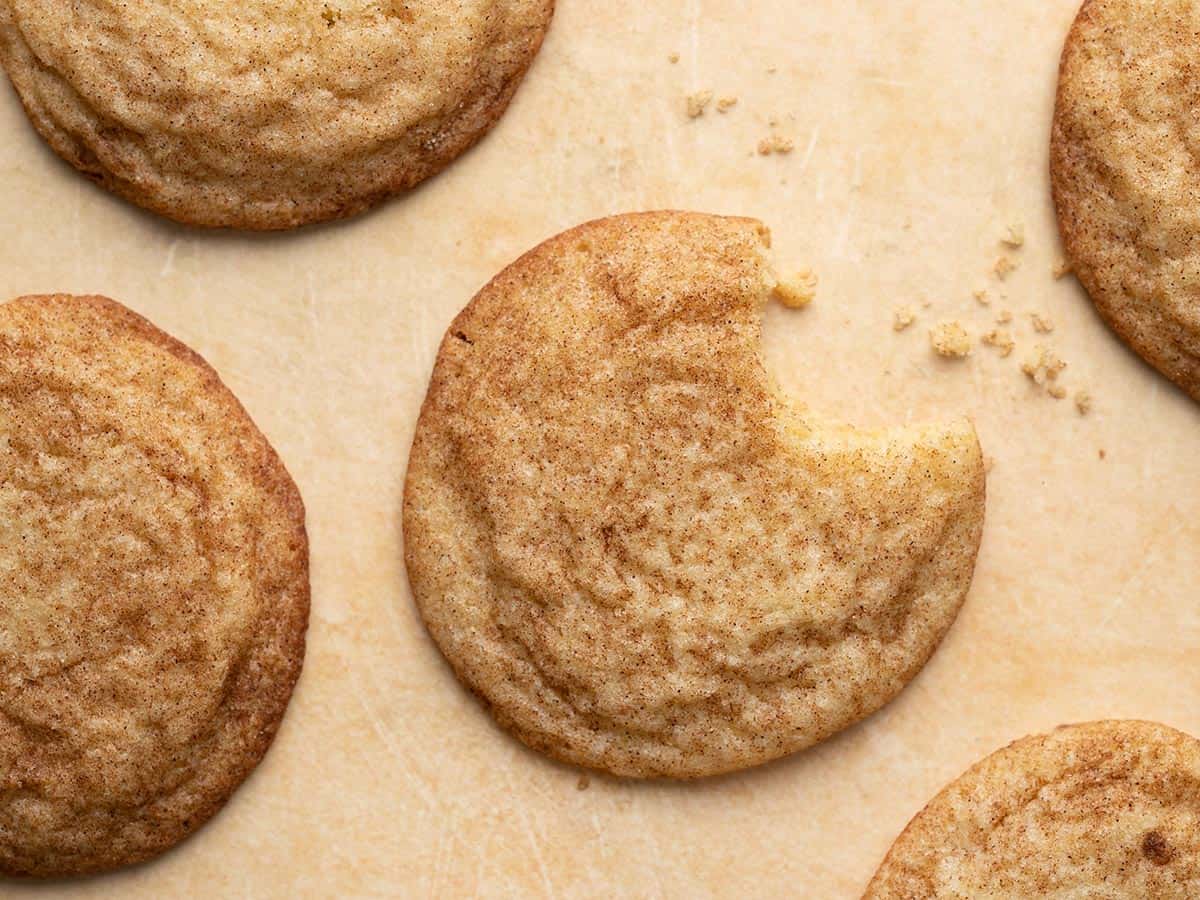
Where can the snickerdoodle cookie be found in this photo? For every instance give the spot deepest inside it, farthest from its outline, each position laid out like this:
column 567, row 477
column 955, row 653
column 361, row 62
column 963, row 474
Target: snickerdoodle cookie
column 1105, row 810
column 1126, row 179
column 628, row 544
column 266, row 113
column 153, row 588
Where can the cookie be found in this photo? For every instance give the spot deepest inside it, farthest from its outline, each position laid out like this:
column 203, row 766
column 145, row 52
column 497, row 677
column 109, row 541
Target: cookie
column 153, row 588
column 264, row 114
column 633, row 549
column 1125, row 177
column 1104, row 810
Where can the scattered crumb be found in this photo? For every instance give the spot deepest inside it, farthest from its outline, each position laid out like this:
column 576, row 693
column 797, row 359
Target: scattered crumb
column 1003, row 266
column 1053, row 363
column 583, row 783
column 950, row 339
column 1004, row 317
column 1014, row 237
column 904, row 317
column 981, row 297
column 330, row 16
column 925, row 304
column 1061, row 269
column 771, row 70
column 775, row 144
column 673, row 58
column 798, row 291
column 1041, row 324
column 1057, row 391
column 1001, row 340
column 697, row 103
column 1103, row 454
column 1043, row 366
column 725, row 104
column 1083, row 403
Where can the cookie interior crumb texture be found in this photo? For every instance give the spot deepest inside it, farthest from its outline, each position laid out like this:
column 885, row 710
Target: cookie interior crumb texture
column 263, row 114
column 153, row 588
column 1106, row 809
column 634, row 549
column 950, row 339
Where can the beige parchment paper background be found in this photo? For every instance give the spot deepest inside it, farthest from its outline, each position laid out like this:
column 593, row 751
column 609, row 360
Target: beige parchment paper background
column 921, row 129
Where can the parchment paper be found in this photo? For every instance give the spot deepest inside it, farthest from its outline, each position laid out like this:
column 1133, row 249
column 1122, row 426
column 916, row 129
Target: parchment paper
column 921, row 129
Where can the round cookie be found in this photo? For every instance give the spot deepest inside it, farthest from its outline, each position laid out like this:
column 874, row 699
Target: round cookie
column 1123, row 163
column 631, row 548
column 266, row 114
column 153, row 588
column 1104, row 810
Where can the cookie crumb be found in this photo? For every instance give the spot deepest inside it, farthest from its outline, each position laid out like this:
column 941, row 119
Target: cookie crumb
column 697, row 103
column 1057, row 391
column 1004, row 317
column 672, row 58
column 1043, row 365
column 1103, row 454
column 1061, row 269
column 1041, row 324
column 1083, row 402
column 725, row 104
column 1001, row 339
column 950, row 340
column 798, row 291
column 776, row 143
column 583, row 783
column 1003, row 266
column 903, row 318
column 981, row 297
column 1014, row 237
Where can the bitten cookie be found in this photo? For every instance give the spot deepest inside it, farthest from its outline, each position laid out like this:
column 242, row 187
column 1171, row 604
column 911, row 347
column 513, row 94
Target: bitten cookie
column 153, row 588
column 1105, row 810
column 265, row 114
column 1123, row 163
column 626, row 542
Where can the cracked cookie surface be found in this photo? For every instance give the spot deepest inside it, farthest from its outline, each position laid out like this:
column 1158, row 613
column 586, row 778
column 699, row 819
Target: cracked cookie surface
column 629, row 545
column 265, row 114
column 153, row 588
column 1125, row 168
column 1103, row 810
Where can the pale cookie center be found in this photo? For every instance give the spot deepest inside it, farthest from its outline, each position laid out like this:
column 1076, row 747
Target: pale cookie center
column 112, row 649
